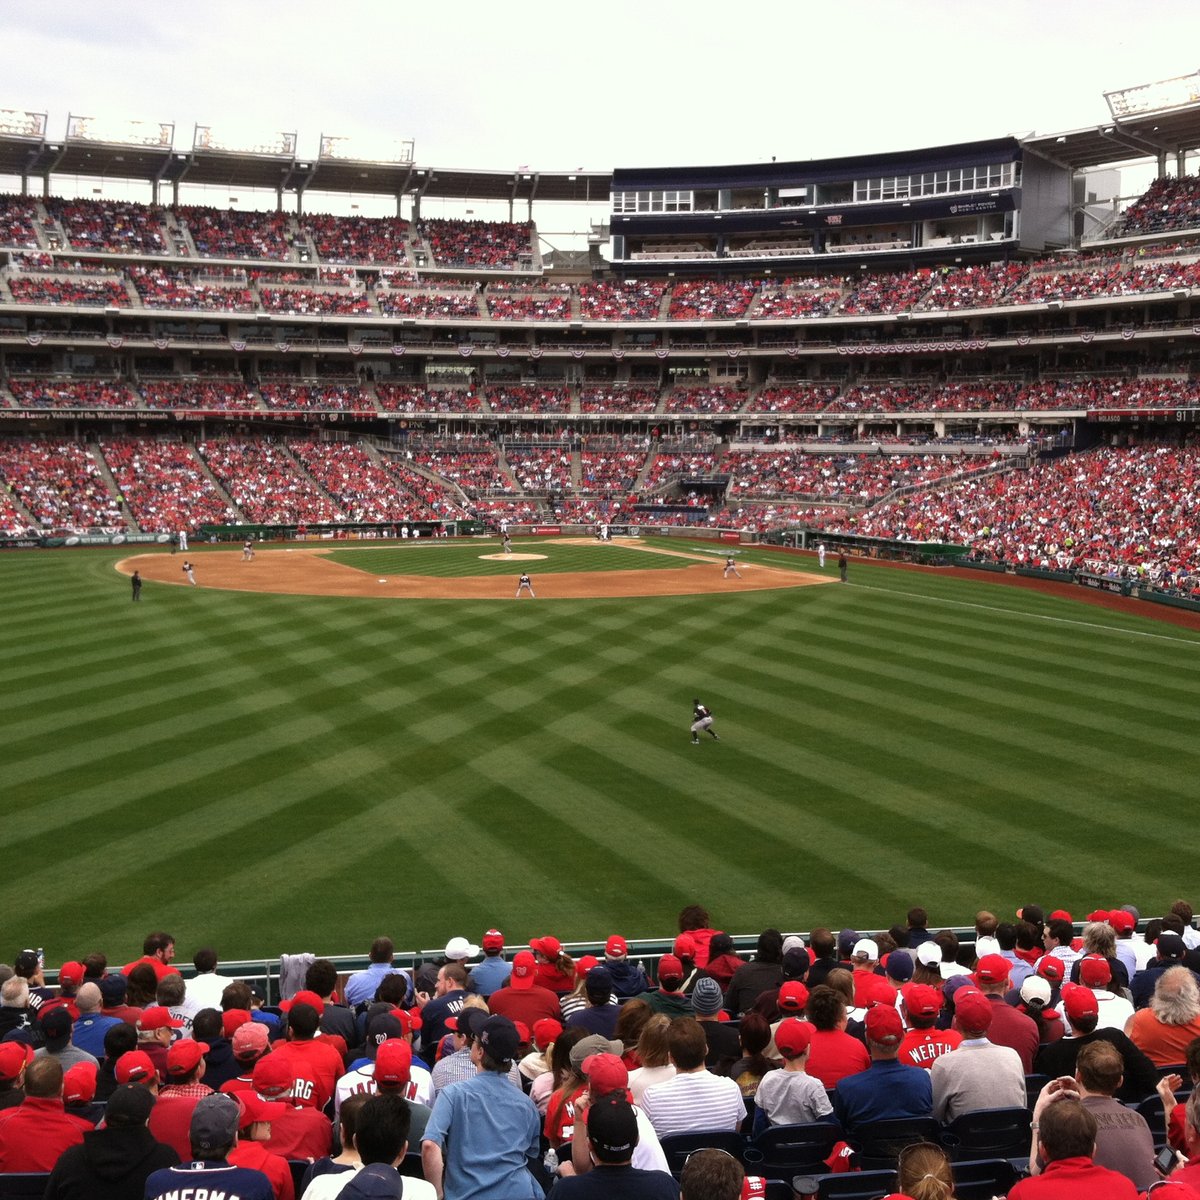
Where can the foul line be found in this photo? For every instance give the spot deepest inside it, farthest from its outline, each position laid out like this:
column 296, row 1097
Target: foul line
column 1010, row 612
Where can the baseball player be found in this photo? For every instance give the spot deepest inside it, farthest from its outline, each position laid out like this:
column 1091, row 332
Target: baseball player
column 187, row 570
column 183, row 540
column 506, row 542
column 821, row 555
column 504, row 527
column 137, row 585
column 248, row 550
column 525, row 584
column 731, row 565
column 702, row 723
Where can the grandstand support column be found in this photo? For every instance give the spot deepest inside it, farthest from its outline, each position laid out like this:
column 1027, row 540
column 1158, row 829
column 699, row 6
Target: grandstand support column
column 279, row 198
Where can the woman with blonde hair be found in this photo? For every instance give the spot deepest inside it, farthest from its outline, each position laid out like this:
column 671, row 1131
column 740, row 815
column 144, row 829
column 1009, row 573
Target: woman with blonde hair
column 655, row 1057
column 923, row 1173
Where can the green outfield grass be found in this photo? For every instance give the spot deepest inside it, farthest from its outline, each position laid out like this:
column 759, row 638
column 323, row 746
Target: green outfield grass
column 280, row 773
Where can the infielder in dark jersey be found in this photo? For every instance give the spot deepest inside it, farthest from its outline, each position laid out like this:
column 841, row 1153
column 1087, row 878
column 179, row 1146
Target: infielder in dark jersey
column 702, row 723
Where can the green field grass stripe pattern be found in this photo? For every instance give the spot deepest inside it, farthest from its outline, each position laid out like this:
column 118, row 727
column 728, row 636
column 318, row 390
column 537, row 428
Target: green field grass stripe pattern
column 449, row 560
column 274, row 774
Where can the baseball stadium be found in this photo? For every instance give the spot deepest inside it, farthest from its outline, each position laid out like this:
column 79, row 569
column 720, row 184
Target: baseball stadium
column 887, row 463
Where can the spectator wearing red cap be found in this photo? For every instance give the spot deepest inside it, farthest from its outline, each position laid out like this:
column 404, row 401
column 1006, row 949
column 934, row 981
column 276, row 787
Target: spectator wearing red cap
column 629, row 978
column 668, row 998
column 693, row 1098
column 394, row 1077
column 298, row 1131
column 763, row 972
column 977, row 1074
column 495, row 969
column 1080, row 1008
column 254, row 1131
column 114, row 1162
column 924, row 1043
column 1124, row 927
column 834, row 1053
column 555, row 968
column 1060, row 1161
column 249, row 1041
column 315, row 1064
column 158, row 953
column 1095, row 972
column 70, row 977
column 171, row 1120
column 1009, row 1027
column 694, row 920
column 888, row 1090
column 38, row 1130
column 156, row 1029
column 381, row 1028
column 1164, row 1030
column 14, row 1058
column 524, row 998
column 792, row 1096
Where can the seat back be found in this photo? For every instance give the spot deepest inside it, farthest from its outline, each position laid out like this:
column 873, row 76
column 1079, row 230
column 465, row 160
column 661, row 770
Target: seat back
column 878, row 1145
column 988, row 1133
column 983, row 1178
column 786, row 1150
column 849, row 1185
column 677, row 1146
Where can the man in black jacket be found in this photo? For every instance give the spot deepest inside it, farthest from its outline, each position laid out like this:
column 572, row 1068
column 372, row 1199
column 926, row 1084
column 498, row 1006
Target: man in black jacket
column 113, row 1163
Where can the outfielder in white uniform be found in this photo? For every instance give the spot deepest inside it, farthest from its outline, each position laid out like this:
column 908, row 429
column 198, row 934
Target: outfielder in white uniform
column 702, row 723
column 183, row 540
column 526, row 584
column 821, row 555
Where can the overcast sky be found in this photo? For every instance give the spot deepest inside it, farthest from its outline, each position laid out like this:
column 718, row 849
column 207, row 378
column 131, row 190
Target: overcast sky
column 561, row 85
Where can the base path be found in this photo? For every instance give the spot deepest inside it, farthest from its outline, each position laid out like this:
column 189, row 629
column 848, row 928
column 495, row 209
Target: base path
column 309, row 571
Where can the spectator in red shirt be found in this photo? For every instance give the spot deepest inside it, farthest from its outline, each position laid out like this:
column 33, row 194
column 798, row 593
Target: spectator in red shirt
column 834, row 1054
column 315, row 1065
column 158, row 951
column 254, row 1131
column 171, row 1120
column 1009, row 1027
column 923, row 1042
column 38, row 1130
column 298, row 1131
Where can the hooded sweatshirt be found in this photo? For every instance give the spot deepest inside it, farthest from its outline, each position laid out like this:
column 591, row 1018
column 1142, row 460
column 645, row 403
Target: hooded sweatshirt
column 112, row 1164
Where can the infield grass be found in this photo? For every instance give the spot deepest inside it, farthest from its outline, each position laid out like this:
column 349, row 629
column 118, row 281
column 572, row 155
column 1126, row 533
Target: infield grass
column 274, row 774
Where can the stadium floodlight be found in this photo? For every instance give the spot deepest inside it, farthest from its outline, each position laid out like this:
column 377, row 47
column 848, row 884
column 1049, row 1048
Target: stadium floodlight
column 158, row 135
column 280, row 145
column 1154, row 97
column 347, row 149
column 15, row 123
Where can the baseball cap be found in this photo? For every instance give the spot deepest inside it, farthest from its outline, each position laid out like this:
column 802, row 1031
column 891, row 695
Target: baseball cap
column 215, row 1121
column 135, row 1066
column 255, row 1108
column 1170, row 945
column 70, row 974
column 14, row 1057
column 616, row 946
column 584, row 964
column 1061, row 914
column 846, row 940
column 250, row 1040
column 500, row 1040
column 1050, row 968
column 79, row 1083
column 112, row 988
column 493, row 940
column 612, row 1127
column 599, row 979
column 794, row 941
column 524, row 971
column 185, row 1055
column 992, row 968
column 929, row 954
column 605, row 1073
column 393, row 1063
column 923, row 1000
column 158, row 1017
column 1094, row 971
column 986, row 944
column 707, row 1000
column 546, row 1031
column 594, row 1043
column 1099, row 914
column 793, row 996
column 793, row 1037
column 1079, row 1002
column 272, row 1076
column 234, row 1019
column 685, row 946
column 458, row 948
column 382, row 1027
column 883, row 1025
column 549, row 946
column 129, row 1105
column 26, row 963
column 669, row 967
column 304, row 997
column 1035, row 990
column 973, row 1010
column 899, row 966
column 1122, row 921
column 468, row 1022
column 56, row 1024
column 796, row 963
column 866, row 948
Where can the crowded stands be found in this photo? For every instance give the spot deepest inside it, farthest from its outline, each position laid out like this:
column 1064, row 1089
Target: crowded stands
column 61, row 484
column 102, row 292
column 230, row 233
column 479, row 245
column 360, row 240
column 114, row 226
column 266, row 484
column 72, row 393
column 164, row 486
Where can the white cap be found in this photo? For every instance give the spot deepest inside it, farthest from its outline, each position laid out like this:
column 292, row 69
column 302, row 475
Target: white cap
column 929, row 954
column 1035, row 988
column 793, row 941
column 458, row 948
column 986, row 945
column 867, row 947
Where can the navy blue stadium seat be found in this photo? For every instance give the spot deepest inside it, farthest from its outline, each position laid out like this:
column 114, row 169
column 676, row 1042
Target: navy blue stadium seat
column 23, row 1184
column 878, row 1145
column 787, row 1150
column 988, row 1133
column 677, row 1146
column 983, row 1178
column 849, row 1185
column 1033, row 1087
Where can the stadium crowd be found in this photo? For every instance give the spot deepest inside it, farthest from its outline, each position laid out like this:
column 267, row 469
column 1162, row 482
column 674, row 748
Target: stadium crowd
column 1059, row 1056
